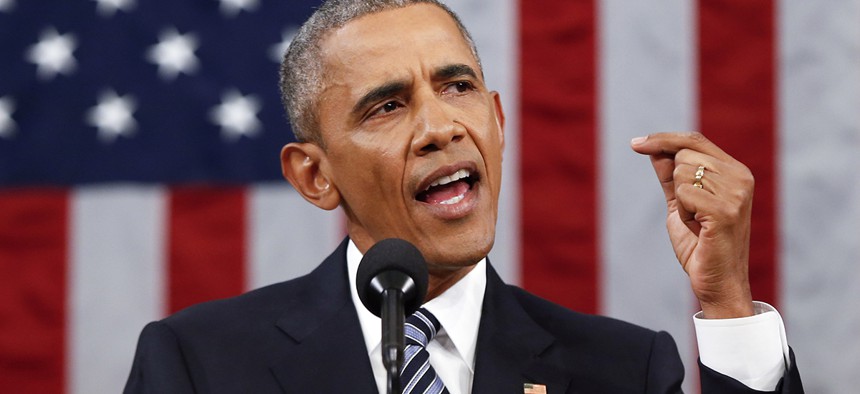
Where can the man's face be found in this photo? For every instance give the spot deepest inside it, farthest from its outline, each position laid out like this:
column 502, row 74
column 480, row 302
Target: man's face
column 413, row 138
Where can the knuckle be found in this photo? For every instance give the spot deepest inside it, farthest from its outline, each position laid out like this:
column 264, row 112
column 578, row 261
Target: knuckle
column 697, row 136
column 733, row 212
column 744, row 195
column 748, row 179
column 676, row 173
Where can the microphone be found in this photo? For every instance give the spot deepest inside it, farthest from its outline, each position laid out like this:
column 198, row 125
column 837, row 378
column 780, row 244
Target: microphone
column 392, row 282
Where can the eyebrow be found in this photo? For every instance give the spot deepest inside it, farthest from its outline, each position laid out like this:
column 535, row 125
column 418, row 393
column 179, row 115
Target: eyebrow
column 379, row 93
column 453, row 71
column 391, row 88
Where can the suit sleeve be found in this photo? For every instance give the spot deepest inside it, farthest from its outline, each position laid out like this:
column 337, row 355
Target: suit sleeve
column 159, row 365
column 666, row 373
column 714, row 382
column 665, row 369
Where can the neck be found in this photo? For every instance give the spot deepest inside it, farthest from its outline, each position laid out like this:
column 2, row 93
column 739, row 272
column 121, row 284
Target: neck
column 441, row 280
column 440, row 277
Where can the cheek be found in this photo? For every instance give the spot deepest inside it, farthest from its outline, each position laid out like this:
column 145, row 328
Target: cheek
column 370, row 174
column 380, row 154
column 388, row 139
column 485, row 131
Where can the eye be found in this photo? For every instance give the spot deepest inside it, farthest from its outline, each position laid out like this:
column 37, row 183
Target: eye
column 388, row 107
column 459, row 87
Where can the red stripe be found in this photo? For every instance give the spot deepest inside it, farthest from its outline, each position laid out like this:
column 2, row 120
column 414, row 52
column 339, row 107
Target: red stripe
column 737, row 97
column 206, row 244
column 33, row 235
column 559, row 151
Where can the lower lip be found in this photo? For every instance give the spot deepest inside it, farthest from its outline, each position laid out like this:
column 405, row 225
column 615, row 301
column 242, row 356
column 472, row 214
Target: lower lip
column 456, row 210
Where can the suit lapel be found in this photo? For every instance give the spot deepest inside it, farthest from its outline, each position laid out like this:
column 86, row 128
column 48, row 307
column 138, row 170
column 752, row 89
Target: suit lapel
column 325, row 346
column 325, row 351
column 510, row 344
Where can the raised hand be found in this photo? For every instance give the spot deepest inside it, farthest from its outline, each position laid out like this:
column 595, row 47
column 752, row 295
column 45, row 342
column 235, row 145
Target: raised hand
column 709, row 222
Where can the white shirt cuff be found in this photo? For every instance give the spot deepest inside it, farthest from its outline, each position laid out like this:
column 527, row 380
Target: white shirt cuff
column 752, row 350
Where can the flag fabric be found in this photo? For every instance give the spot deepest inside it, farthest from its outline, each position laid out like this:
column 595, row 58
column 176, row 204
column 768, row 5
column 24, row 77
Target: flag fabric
column 139, row 167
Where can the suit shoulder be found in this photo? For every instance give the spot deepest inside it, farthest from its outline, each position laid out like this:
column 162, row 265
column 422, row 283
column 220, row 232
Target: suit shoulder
column 265, row 303
column 582, row 328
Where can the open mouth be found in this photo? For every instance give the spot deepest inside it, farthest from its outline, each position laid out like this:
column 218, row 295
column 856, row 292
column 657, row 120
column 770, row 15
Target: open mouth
column 449, row 189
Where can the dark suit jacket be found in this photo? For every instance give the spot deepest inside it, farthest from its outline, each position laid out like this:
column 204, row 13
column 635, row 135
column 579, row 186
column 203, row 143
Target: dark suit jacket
column 303, row 336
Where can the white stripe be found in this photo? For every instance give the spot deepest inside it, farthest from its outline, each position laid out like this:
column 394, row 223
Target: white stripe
column 116, row 279
column 646, row 85
column 493, row 25
column 409, row 353
column 819, row 118
column 417, row 377
column 427, row 323
column 288, row 236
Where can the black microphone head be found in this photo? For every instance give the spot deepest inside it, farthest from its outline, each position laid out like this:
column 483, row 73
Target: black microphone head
column 392, row 264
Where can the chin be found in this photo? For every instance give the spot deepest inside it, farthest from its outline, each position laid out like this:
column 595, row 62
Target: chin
column 460, row 253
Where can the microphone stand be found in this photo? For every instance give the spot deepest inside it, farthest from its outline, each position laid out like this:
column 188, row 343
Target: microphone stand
column 392, row 272
column 393, row 340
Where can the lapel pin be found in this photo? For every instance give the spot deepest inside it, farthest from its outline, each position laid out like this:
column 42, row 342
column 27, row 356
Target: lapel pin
column 531, row 388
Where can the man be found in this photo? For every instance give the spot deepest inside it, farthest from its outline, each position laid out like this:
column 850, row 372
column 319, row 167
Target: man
column 397, row 127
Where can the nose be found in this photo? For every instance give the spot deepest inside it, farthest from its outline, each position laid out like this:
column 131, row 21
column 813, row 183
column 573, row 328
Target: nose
column 435, row 127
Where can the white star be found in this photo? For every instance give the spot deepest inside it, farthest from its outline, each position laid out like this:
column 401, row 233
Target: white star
column 7, row 5
column 7, row 124
column 232, row 8
column 174, row 53
column 112, row 116
column 237, row 115
column 276, row 52
column 107, row 8
column 53, row 54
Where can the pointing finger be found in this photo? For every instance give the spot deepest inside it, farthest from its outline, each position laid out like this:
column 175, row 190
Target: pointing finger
column 672, row 143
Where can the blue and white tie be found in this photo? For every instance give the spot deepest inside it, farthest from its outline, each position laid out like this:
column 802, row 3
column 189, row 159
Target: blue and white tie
column 417, row 375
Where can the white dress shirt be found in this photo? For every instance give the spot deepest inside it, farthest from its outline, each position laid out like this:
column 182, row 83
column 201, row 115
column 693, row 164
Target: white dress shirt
column 452, row 351
column 752, row 350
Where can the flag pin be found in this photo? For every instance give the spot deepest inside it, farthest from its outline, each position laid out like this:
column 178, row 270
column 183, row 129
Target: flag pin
column 531, row 388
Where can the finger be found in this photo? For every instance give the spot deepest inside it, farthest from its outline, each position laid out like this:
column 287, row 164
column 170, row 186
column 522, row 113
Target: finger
column 697, row 207
column 685, row 174
column 696, row 159
column 718, row 191
column 672, row 143
column 664, row 167
column 688, row 195
column 672, row 173
column 689, row 201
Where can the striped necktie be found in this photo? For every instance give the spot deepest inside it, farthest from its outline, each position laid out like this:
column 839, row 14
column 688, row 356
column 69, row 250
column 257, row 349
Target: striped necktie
column 417, row 375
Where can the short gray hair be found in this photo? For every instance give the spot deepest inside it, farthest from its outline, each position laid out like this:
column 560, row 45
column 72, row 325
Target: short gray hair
column 301, row 69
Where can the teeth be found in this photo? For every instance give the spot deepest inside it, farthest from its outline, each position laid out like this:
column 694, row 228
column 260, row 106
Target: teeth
column 452, row 200
column 444, row 180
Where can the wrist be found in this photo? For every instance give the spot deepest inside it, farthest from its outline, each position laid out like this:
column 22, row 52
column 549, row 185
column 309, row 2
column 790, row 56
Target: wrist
column 727, row 299
column 728, row 310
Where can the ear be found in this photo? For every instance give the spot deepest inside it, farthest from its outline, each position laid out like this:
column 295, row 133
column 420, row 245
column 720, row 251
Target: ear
column 500, row 116
column 302, row 164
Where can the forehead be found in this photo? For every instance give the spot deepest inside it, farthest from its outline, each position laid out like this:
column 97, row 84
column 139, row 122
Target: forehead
column 388, row 44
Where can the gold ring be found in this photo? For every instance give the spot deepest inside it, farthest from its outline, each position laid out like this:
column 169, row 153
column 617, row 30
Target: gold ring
column 700, row 173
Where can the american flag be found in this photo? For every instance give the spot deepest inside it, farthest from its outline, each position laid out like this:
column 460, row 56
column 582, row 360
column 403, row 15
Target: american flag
column 139, row 165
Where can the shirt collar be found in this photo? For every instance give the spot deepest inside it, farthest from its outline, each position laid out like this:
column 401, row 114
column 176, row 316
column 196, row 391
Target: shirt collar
column 458, row 308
